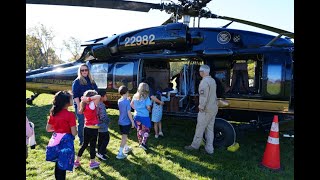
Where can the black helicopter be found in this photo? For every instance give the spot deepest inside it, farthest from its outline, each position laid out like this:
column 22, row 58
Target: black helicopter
column 132, row 57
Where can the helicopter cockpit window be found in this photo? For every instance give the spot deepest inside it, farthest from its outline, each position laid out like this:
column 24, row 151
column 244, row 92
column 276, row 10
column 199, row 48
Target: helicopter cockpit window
column 239, row 82
column 220, row 76
column 244, row 78
column 274, row 79
column 100, row 74
column 123, row 75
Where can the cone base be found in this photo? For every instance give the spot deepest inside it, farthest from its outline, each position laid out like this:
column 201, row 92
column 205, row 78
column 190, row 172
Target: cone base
column 281, row 168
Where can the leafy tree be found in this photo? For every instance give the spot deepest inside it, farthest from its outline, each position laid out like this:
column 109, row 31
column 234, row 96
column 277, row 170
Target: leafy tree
column 175, row 67
column 41, row 41
column 251, row 68
column 73, row 45
column 34, row 57
column 53, row 57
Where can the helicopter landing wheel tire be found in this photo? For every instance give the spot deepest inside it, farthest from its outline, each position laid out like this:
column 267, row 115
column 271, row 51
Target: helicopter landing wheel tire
column 224, row 133
column 29, row 101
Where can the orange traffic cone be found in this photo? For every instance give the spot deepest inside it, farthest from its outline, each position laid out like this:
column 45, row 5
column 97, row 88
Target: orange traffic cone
column 271, row 156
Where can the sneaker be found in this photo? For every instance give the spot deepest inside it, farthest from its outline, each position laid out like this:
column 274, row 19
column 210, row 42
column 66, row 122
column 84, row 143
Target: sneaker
column 121, row 156
column 127, row 150
column 76, row 164
column 94, row 165
column 156, row 136
column 209, row 152
column 206, row 152
column 144, row 146
column 190, row 148
column 101, row 156
column 161, row 134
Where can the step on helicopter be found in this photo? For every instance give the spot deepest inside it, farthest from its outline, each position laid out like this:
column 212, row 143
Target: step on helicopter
column 132, row 57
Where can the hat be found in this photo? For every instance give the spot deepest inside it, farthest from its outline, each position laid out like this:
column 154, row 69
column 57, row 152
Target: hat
column 204, row 68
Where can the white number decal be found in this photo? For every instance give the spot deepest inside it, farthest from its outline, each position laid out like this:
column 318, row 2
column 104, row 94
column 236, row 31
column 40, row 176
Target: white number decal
column 152, row 37
column 139, row 40
column 127, row 40
column 133, row 40
column 145, row 40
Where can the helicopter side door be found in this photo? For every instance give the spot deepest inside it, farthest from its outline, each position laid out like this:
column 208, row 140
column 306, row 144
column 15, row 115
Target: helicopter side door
column 275, row 77
column 158, row 70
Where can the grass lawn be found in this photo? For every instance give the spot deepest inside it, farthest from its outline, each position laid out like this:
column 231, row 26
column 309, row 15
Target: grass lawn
column 166, row 158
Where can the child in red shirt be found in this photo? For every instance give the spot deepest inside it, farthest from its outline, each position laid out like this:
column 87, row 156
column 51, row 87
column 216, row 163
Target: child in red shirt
column 63, row 124
column 88, row 106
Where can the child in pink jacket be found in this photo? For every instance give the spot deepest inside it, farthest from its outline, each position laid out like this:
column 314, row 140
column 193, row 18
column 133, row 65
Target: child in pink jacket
column 29, row 133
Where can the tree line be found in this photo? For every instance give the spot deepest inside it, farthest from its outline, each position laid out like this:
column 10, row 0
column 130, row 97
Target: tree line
column 42, row 52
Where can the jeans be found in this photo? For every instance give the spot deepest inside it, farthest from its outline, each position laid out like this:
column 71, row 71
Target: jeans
column 80, row 118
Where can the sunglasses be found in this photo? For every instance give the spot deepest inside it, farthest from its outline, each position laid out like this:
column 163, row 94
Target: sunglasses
column 83, row 70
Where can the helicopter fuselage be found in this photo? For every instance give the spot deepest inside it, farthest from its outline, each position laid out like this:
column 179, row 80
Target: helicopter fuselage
column 254, row 71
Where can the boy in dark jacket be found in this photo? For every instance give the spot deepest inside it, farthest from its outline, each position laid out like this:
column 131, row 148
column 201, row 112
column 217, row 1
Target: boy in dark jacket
column 103, row 135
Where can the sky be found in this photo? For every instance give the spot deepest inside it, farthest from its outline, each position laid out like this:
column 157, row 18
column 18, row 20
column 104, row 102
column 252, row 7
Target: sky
column 86, row 23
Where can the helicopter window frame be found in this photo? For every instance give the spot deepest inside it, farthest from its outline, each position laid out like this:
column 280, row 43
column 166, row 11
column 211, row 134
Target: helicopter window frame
column 274, row 79
column 115, row 71
column 95, row 74
column 254, row 67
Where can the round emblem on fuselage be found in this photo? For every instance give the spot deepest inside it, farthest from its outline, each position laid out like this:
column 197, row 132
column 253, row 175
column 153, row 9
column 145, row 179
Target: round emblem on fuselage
column 223, row 37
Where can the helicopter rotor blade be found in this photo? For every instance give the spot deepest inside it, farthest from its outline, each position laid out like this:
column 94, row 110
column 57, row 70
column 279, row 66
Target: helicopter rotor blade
column 111, row 4
column 194, row 6
column 258, row 25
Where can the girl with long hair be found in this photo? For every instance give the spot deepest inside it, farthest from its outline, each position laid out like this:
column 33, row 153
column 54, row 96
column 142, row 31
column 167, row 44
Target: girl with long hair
column 141, row 104
column 62, row 123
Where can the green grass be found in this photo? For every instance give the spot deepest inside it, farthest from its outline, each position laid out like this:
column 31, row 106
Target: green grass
column 166, row 158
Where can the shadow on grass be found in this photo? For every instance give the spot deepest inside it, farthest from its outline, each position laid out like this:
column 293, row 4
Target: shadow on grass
column 112, row 135
column 93, row 174
column 132, row 167
column 170, row 148
column 143, row 169
column 246, row 159
column 195, row 166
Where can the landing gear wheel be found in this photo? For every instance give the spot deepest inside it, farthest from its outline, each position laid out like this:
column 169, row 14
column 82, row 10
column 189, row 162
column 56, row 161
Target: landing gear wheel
column 29, row 101
column 224, row 133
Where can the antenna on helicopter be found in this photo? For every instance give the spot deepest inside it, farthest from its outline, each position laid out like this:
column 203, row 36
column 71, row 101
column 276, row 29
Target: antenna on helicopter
column 225, row 26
